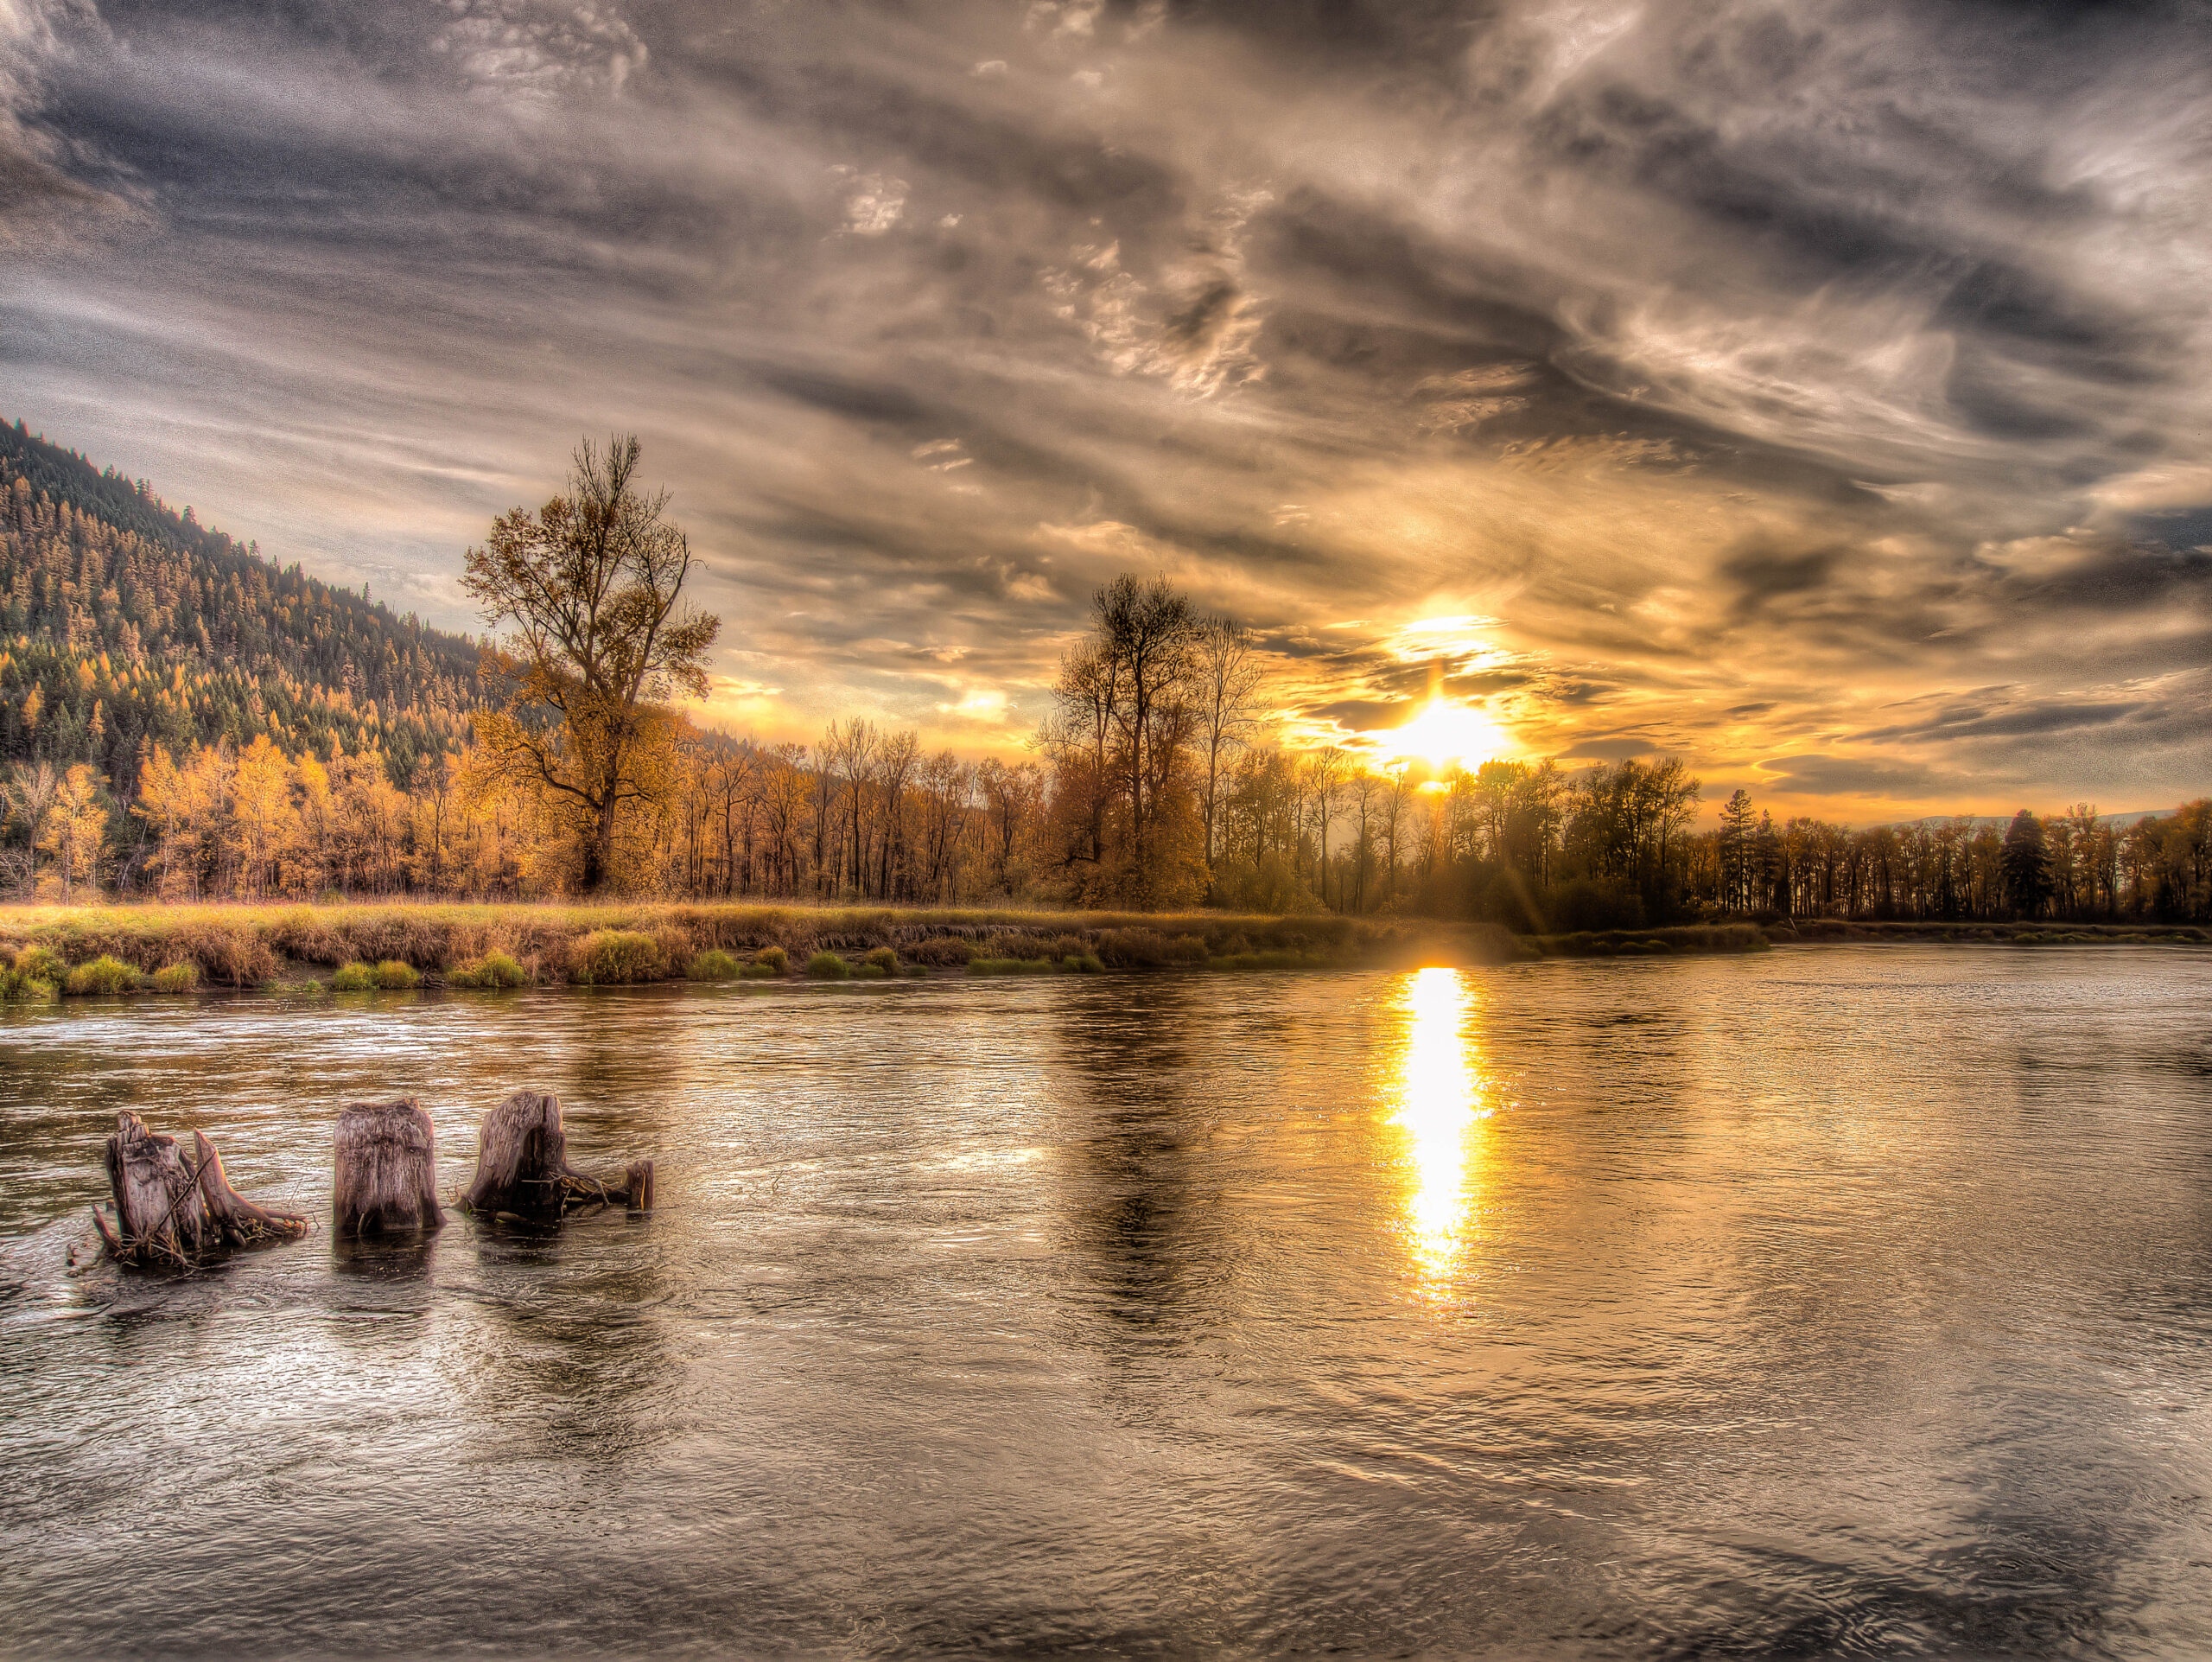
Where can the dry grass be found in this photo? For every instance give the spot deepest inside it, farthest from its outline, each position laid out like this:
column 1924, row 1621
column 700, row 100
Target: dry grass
column 552, row 945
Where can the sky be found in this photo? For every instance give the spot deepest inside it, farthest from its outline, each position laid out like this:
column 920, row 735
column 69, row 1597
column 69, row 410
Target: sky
column 1812, row 391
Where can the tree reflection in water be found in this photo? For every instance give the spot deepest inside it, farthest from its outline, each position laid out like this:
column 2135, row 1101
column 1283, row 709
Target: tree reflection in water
column 1136, row 1211
column 1442, row 1098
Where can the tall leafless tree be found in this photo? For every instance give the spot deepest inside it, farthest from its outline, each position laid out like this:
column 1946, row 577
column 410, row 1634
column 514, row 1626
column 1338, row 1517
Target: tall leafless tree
column 1229, row 678
column 1148, row 631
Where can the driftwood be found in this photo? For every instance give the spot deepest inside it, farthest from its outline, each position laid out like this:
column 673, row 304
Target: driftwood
column 523, row 1171
column 172, row 1208
column 385, row 1181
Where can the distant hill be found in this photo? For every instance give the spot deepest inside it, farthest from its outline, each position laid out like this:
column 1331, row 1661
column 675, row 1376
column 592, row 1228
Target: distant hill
column 1999, row 821
column 123, row 624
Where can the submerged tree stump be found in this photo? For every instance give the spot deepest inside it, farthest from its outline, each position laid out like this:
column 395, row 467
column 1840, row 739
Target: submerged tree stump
column 174, row 1208
column 522, row 1166
column 386, row 1179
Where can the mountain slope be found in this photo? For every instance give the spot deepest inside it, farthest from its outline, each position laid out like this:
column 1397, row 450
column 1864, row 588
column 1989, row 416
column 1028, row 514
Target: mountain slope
column 123, row 625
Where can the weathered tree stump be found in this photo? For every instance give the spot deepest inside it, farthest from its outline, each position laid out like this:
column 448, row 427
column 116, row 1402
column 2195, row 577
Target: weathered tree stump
column 522, row 1166
column 385, row 1181
column 174, row 1208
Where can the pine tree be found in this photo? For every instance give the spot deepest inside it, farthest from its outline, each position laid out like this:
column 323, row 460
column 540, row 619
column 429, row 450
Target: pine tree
column 1736, row 849
column 2026, row 862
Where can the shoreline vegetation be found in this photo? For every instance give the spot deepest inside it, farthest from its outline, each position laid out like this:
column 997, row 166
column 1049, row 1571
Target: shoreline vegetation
column 51, row 951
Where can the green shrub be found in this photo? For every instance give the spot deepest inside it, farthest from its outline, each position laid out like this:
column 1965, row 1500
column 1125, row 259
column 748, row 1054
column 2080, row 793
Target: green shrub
column 103, row 975
column 828, row 966
column 354, row 977
column 176, row 977
column 772, row 958
column 490, row 973
column 616, row 957
column 713, row 966
column 1011, row 966
column 42, row 964
column 502, row 970
column 394, row 977
column 1082, row 963
column 17, row 988
column 760, row 972
column 885, row 959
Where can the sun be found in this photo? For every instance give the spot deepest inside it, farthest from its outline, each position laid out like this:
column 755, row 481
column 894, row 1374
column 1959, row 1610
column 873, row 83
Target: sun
column 1445, row 733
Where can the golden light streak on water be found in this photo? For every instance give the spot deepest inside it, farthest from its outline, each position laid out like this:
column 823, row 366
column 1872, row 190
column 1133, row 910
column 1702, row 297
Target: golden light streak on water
column 1441, row 1099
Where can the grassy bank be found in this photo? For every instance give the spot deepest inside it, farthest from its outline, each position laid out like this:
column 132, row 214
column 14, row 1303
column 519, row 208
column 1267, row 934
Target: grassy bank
column 46, row 951
column 1754, row 938
column 2017, row 934
column 98, row 949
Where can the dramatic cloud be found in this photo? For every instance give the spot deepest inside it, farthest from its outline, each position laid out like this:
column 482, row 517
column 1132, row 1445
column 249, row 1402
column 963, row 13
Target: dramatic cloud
column 1810, row 389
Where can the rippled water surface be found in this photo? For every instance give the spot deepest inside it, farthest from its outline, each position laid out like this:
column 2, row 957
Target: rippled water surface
column 1837, row 1299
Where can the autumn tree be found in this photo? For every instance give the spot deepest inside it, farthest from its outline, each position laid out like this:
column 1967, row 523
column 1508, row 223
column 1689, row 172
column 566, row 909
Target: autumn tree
column 25, row 795
column 1013, row 797
column 1125, row 718
column 591, row 586
column 1149, row 631
column 1228, row 676
column 264, row 818
column 1325, row 772
column 74, row 831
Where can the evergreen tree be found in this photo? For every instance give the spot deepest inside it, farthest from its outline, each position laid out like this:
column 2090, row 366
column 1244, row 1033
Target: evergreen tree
column 1737, row 833
column 2026, row 864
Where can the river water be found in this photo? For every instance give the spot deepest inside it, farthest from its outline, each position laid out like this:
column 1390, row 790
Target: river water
column 1837, row 1299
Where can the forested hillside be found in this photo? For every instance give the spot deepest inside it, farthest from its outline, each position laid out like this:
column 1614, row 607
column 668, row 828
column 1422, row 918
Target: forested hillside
column 126, row 626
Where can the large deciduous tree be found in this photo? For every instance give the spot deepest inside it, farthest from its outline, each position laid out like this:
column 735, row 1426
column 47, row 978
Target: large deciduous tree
column 590, row 588
column 1128, row 710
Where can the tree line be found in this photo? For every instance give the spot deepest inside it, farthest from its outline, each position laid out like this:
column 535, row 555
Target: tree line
column 146, row 755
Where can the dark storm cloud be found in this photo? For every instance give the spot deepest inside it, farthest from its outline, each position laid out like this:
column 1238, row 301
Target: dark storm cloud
column 1706, row 377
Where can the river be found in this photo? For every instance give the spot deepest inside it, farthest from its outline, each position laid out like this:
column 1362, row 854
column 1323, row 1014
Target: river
column 1833, row 1300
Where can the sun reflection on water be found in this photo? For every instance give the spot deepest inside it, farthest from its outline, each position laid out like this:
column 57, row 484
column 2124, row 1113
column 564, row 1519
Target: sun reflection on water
column 1440, row 1100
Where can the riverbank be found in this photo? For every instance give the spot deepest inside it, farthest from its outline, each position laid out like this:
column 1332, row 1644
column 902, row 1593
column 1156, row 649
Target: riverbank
column 51, row 950
column 112, row 949
column 1753, row 937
